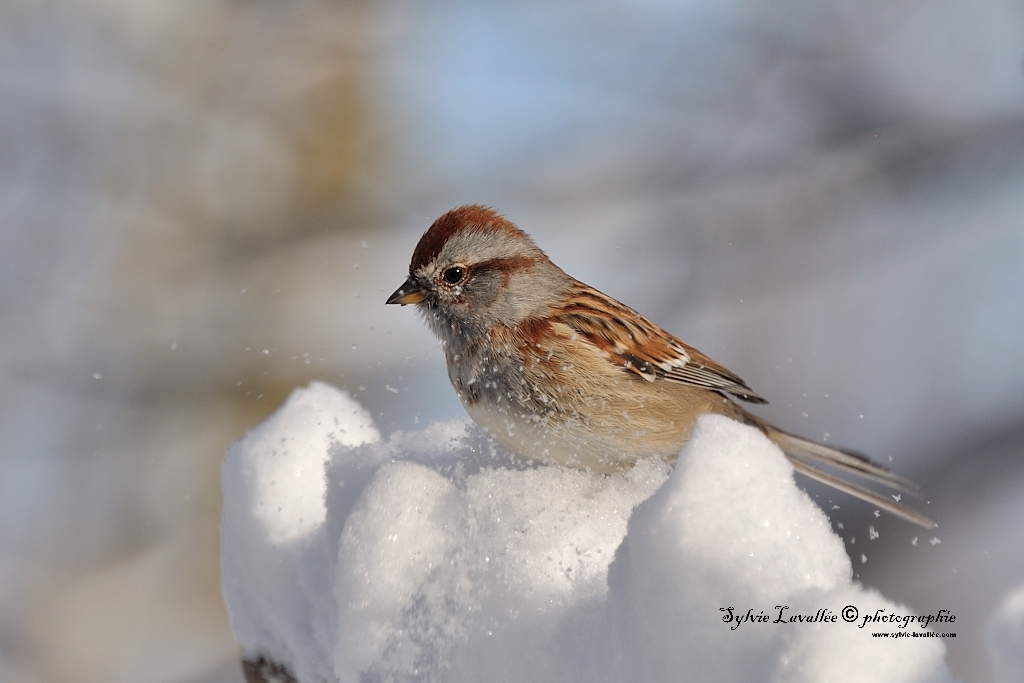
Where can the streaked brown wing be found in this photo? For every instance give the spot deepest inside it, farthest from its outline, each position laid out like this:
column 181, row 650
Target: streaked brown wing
column 640, row 346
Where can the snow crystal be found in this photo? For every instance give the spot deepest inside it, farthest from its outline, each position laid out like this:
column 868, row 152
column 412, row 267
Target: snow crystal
column 434, row 555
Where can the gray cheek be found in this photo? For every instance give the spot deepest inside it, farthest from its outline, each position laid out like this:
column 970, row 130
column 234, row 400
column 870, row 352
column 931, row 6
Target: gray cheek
column 483, row 291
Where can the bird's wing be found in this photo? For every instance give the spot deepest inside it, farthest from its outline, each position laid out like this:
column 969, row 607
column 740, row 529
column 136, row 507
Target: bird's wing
column 632, row 341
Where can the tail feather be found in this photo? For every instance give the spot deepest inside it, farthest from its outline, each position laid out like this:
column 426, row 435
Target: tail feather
column 887, row 504
column 852, row 463
column 806, row 456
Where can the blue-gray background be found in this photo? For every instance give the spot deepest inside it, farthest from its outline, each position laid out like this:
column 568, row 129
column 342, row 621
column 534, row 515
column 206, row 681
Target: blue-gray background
column 203, row 204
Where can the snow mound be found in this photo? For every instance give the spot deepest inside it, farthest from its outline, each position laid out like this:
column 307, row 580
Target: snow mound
column 1006, row 638
column 434, row 556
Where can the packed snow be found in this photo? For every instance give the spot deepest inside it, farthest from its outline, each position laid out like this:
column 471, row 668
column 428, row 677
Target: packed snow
column 435, row 556
column 1006, row 638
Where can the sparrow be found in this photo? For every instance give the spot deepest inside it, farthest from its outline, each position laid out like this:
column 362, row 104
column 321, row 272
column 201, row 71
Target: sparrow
column 561, row 373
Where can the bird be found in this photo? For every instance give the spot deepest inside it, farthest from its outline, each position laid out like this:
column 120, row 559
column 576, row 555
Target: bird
column 561, row 373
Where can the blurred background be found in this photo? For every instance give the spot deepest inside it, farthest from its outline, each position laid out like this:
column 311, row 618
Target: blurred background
column 204, row 204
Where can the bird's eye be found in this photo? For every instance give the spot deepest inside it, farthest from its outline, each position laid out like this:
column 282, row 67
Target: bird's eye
column 454, row 275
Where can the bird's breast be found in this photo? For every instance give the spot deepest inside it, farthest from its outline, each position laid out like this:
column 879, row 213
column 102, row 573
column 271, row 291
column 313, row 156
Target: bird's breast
column 557, row 409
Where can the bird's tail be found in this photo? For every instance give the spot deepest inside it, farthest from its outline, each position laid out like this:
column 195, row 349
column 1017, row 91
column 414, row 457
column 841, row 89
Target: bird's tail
column 807, row 458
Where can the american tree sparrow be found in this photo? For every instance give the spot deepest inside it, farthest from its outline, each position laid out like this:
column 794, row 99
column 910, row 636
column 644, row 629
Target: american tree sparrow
column 560, row 373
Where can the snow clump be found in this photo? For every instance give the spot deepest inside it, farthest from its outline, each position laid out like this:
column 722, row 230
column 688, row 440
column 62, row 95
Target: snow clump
column 435, row 556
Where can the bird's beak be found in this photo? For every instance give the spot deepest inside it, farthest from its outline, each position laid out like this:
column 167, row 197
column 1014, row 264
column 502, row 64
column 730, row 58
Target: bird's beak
column 409, row 293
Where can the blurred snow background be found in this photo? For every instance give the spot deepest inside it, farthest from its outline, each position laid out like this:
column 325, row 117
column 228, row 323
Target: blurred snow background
column 203, row 204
